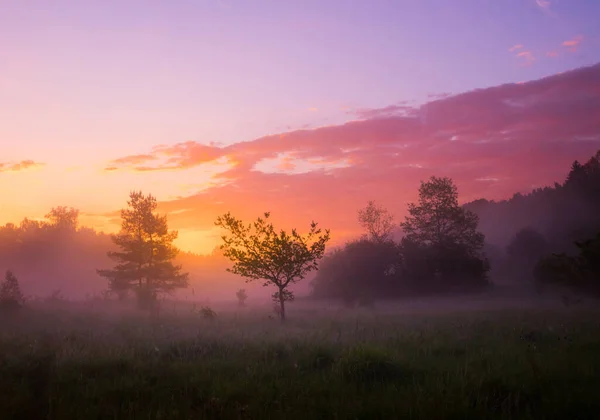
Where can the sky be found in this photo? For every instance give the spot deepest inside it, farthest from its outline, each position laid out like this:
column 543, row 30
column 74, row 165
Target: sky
column 305, row 108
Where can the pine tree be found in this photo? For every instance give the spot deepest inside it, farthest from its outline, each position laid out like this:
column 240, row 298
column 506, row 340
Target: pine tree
column 145, row 260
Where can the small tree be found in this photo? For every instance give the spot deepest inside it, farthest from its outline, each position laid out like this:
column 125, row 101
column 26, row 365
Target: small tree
column 145, row 262
column 11, row 296
column 259, row 252
column 241, row 297
column 377, row 221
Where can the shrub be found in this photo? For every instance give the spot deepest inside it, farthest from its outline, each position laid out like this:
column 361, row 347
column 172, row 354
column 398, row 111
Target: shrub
column 208, row 313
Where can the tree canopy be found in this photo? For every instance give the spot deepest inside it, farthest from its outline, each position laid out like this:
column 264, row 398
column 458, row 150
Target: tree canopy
column 438, row 220
column 260, row 252
column 62, row 217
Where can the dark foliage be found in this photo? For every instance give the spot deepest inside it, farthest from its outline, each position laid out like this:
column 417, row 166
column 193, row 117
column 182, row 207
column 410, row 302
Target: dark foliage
column 11, row 297
column 277, row 258
column 145, row 259
column 360, row 270
column 580, row 272
column 547, row 220
column 523, row 252
column 442, row 251
column 564, row 213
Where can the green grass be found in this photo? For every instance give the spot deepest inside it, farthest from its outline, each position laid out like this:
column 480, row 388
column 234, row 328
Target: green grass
column 65, row 364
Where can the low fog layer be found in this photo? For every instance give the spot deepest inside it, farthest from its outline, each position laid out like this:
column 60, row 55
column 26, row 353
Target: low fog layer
column 57, row 256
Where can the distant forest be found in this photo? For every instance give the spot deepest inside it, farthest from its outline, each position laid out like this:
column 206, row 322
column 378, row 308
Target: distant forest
column 526, row 237
column 547, row 236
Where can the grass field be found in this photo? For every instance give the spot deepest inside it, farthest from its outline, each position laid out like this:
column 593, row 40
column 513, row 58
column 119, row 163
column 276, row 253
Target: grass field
column 392, row 362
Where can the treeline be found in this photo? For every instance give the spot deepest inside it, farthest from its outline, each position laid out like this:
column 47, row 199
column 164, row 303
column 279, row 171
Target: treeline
column 529, row 228
column 57, row 257
column 441, row 251
column 547, row 236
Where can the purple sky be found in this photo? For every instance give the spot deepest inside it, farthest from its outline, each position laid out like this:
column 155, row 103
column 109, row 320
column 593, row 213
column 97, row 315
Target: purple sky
column 145, row 72
column 84, row 82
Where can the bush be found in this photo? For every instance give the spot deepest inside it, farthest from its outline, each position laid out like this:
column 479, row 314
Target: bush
column 558, row 269
column 208, row 313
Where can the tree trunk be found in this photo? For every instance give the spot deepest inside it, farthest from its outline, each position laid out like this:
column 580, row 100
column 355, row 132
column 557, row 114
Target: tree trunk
column 281, row 305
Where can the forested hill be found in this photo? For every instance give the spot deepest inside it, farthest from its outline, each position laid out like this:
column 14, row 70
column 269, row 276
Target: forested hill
column 568, row 211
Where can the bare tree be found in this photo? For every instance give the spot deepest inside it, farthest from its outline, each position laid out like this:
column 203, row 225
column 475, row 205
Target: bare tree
column 377, row 221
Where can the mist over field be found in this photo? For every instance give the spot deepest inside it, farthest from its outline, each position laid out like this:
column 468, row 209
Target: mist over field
column 299, row 209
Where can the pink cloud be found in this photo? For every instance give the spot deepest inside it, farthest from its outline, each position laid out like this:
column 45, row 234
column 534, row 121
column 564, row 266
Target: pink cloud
column 515, row 47
column 552, row 54
column 574, row 43
column 544, row 4
column 179, row 156
column 20, row 166
column 368, row 113
column 492, row 142
column 528, row 56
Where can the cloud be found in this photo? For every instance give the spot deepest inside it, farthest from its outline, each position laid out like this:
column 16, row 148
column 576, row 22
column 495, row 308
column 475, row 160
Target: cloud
column 313, row 109
column 369, row 113
column 515, row 47
column 441, row 95
column 180, row 156
column 527, row 56
column 134, row 159
column 543, row 4
column 552, row 54
column 20, row 166
column 573, row 43
column 492, row 142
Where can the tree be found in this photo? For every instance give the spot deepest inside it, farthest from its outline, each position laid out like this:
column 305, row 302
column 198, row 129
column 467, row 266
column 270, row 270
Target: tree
column 10, row 292
column 448, row 233
column 241, row 297
column 361, row 269
column 259, row 252
column 145, row 261
column 377, row 221
column 62, row 217
column 438, row 220
column 528, row 244
column 525, row 249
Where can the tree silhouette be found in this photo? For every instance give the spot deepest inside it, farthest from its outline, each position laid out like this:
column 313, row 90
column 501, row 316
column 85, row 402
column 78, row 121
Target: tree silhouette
column 438, row 220
column 524, row 250
column 361, row 269
column 11, row 296
column 446, row 233
column 259, row 252
column 377, row 221
column 66, row 218
column 241, row 297
column 145, row 262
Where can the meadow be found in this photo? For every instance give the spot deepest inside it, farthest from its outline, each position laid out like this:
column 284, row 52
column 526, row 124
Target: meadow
column 429, row 359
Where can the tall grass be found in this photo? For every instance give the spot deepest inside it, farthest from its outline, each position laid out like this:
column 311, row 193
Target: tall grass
column 63, row 363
